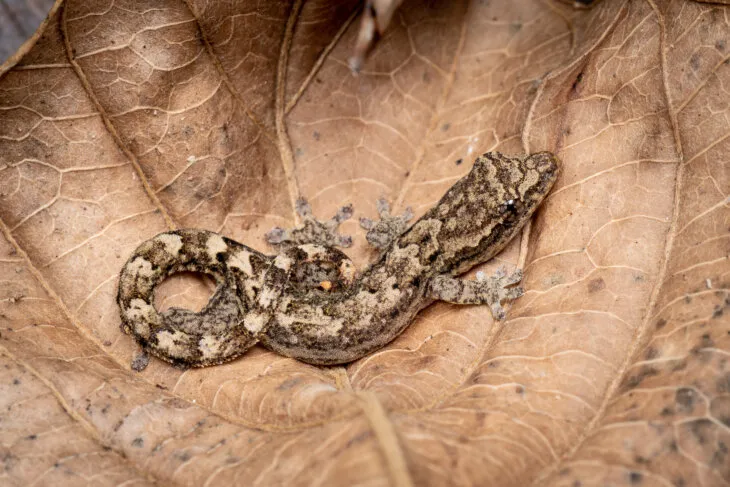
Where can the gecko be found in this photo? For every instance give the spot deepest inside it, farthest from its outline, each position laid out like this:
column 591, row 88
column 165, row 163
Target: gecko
column 310, row 302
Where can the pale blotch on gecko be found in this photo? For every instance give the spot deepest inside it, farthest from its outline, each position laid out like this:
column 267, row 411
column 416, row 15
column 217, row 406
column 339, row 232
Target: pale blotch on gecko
column 309, row 302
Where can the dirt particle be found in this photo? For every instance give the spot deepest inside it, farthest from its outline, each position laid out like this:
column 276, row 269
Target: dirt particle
column 184, row 456
column 702, row 430
column 577, row 81
column 635, row 478
column 596, row 285
column 694, row 61
column 722, row 385
column 707, row 341
column 138, row 442
column 718, row 311
column 636, row 379
column 289, row 384
column 685, row 399
column 651, row 353
column 720, row 455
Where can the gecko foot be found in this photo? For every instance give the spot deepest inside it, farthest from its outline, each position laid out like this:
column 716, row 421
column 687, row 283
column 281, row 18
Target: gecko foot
column 382, row 233
column 490, row 290
column 497, row 288
column 312, row 230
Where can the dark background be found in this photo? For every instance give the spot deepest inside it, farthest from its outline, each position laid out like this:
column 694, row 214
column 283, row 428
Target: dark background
column 18, row 20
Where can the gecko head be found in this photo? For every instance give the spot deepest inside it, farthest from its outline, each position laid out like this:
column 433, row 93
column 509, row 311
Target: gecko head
column 515, row 185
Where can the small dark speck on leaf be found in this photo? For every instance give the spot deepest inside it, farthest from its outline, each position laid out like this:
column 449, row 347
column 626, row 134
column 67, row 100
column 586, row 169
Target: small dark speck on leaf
column 577, row 81
column 596, row 285
column 651, row 353
column 459, row 161
column 717, row 312
column 694, row 61
column 316, row 135
column 445, row 127
column 640, row 459
column 701, row 430
column 288, row 384
column 138, row 442
column 16, row 382
column 723, row 384
column 635, row 477
column 685, row 399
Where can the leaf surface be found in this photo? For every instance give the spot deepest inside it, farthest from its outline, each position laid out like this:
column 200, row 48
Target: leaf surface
column 123, row 119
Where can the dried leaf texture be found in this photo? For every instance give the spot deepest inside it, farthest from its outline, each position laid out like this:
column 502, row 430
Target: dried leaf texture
column 122, row 119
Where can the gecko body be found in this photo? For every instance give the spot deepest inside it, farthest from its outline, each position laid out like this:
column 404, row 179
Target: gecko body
column 309, row 302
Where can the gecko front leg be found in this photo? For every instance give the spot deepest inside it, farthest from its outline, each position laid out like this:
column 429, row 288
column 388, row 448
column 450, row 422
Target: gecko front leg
column 383, row 232
column 489, row 290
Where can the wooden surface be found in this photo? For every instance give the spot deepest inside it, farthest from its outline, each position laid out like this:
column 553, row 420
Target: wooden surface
column 18, row 20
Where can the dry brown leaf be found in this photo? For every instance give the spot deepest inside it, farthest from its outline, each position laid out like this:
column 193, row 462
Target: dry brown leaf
column 123, row 119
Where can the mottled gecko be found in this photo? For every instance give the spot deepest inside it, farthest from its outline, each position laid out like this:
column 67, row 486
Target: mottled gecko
column 309, row 302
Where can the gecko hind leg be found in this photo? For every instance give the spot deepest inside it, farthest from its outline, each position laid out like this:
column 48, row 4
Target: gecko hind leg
column 490, row 290
column 312, row 231
column 381, row 233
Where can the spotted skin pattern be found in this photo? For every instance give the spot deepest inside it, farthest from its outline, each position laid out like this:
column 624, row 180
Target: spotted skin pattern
column 309, row 302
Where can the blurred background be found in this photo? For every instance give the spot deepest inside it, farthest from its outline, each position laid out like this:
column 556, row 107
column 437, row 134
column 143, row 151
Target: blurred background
column 18, row 20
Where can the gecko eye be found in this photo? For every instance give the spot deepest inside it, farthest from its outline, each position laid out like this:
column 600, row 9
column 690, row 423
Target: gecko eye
column 511, row 207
